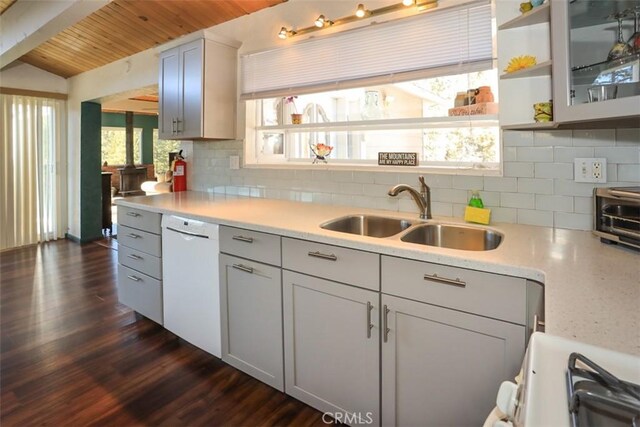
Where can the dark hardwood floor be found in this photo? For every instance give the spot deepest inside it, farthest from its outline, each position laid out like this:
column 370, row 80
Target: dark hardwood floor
column 71, row 355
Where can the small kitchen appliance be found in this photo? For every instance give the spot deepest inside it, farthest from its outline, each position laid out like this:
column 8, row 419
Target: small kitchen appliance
column 617, row 215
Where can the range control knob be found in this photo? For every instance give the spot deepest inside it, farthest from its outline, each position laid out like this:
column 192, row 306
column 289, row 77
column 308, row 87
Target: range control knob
column 507, row 400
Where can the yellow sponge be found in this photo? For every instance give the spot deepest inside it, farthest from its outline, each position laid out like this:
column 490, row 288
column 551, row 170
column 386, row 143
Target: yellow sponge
column 477, row 215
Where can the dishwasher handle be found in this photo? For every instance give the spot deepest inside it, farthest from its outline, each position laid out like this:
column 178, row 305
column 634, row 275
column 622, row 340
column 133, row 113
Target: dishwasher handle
column 188, row 233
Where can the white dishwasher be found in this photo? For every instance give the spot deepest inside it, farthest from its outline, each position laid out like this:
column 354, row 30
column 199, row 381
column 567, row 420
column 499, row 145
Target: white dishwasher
column 191, row 283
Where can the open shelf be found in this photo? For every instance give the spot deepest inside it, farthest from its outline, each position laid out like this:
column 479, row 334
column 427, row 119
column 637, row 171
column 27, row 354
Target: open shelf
column 538, row 70
column 415, row 123
column 531, row 126
column 537, row 15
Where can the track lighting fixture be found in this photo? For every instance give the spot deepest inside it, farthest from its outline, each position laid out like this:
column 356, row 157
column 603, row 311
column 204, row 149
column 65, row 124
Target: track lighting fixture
column 361, row 12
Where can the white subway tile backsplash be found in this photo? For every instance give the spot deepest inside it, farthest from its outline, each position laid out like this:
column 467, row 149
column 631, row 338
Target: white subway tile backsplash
column 554, row 170
column 509, row 154
column 627, row 137
column 594, row 138
column 552, row 138
column 449, row 195
column 533, row 217
column 535, row 185
column 534, row 154
column 583, row 205
column 517, row 139
column 492, row 183
column 441, row 209
column 573, row 221
column 517, row 200
column 565, row 187
column 554, row 203
column 626, row 155
column 628, row 173
column 568, row 154
column 509, row 215
column 518, row 169
column 466, row 182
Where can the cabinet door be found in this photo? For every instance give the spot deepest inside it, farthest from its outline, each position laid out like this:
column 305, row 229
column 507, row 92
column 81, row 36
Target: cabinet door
column 169, row 85
column 191, row 69
column 251, row 318
column 332, row 346
column 442, row 367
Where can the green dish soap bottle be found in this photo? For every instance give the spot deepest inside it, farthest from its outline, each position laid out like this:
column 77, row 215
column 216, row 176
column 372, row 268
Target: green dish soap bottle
column 475, row 200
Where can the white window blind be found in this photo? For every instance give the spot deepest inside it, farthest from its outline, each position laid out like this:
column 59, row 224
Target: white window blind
column 382, row 53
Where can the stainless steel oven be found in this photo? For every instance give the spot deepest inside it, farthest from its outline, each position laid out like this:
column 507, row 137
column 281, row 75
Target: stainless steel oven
column 616, row 215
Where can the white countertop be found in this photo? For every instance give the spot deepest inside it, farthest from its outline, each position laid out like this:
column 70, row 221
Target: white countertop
column 592, row 290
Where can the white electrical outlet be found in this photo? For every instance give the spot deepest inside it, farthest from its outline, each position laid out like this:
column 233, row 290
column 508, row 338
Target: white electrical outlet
column 590, row 170
column 234, row 162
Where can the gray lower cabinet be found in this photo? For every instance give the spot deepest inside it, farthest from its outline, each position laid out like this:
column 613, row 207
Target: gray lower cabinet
column 332, row 346
column 442, row 367
column 140, row 262
column 251, row 318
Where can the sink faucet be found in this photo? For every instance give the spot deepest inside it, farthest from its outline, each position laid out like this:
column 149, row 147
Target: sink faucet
column 422, row 199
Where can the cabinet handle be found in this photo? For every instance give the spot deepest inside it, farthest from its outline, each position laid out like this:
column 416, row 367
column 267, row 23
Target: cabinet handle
column 385, row 323
column 318, row 254
column 134, row 236
column 134, row 256
column 434, row 278
column 243, row 268
column 133, row 214
column 369, row 325
column 173, row 126
column 538, row 325
column 134, row 278
column 178, row 121
column 243, row 239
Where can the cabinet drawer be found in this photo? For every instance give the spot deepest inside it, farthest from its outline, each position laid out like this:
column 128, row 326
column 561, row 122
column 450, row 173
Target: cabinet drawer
column 140, row 240
column 140, row 261
column 140, row 292
column 330, row 262
column 140, row 219
column 487, row 294
column 262, row 247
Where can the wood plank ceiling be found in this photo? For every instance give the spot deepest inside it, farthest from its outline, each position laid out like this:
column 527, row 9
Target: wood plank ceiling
column 125, row 27
column 4, row 5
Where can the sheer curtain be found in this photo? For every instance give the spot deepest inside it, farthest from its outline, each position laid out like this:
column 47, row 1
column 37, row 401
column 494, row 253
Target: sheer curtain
column 33, row 188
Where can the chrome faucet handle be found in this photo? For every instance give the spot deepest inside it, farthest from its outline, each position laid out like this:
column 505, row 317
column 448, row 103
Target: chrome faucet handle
column 423, row 185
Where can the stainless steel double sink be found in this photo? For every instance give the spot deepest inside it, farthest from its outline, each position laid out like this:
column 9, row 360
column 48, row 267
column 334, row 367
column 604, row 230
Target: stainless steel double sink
column 451, row 236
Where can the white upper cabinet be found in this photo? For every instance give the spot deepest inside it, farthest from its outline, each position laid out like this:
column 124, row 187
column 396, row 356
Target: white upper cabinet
column 583, row 36
column 197, row 90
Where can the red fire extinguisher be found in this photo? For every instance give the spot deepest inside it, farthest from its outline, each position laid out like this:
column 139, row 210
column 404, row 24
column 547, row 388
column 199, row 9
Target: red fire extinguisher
column 179, row 168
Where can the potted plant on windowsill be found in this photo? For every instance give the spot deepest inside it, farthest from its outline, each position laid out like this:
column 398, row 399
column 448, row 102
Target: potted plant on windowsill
column 296, row 118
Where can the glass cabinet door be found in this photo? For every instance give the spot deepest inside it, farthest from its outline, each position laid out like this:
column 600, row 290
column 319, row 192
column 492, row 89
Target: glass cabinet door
column 598, row 58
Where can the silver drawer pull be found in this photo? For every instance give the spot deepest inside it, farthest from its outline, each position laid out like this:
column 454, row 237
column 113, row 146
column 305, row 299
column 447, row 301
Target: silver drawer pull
column 318, row 254
column 134, row 236
column 538, row 325
column 385, row 323
column 243, row 268
column 369, row 325
column 134, row 256
column 133, row 214
column 134, row 278
column 434, row 278
column 243, row 239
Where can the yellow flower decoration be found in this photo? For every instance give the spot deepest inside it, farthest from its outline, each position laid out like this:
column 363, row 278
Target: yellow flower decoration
column 520, row 63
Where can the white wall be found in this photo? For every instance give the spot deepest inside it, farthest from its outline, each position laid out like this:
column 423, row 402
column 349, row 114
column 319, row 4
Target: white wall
column 24, row 76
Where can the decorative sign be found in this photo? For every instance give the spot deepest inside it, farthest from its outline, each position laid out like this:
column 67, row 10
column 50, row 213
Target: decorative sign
column 398, row 159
